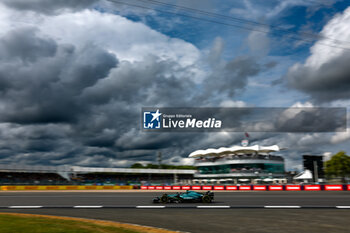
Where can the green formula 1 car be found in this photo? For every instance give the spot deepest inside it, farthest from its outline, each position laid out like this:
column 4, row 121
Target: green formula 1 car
column 188, row 196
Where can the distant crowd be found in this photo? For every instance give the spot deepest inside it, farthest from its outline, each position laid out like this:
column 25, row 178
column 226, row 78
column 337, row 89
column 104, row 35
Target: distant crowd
column 26, row 178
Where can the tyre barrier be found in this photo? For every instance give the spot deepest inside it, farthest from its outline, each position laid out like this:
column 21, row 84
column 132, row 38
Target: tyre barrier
column 307, row 187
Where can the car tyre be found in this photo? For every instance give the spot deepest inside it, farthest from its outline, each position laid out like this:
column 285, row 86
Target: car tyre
column 206, row 199
column 164, row 199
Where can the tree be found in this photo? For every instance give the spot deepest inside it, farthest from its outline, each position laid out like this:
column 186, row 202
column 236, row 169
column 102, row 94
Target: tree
column 152, row 166
column 163, row 166
column 137, row 165
column 338, row 166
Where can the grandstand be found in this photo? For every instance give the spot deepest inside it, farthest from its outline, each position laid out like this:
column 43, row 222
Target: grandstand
column 25, row 178
column 239, row 164
column 76, row 175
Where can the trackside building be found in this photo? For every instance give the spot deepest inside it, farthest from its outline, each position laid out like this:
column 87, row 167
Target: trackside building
column 239, row 164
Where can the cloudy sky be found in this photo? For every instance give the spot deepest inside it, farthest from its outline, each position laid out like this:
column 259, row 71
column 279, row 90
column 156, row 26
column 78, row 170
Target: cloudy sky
column 74, row 74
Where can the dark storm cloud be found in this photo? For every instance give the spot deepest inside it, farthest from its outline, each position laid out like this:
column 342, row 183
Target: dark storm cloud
column 63, row 104
column 146, row 82
column 80, row 105
column 226, row 78
column 155, row 141
column 43, row 82
column 24, row 45
column 236, row 73
column 48, row 6
column 312, row 120
column 230, row 77
column 330, row 81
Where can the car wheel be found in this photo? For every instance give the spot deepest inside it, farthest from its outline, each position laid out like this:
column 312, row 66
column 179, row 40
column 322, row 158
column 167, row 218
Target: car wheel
column 164, row 198
column 206, row 199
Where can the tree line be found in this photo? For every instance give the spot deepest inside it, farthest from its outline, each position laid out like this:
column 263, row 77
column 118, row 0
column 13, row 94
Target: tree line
column 338, row 166
column 162, row 166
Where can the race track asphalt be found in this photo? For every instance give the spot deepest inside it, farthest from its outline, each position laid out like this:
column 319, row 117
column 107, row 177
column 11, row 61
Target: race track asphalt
column 125, row 199
column 198, row 220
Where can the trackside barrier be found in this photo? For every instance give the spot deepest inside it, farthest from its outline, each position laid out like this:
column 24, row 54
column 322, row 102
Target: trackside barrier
column 245, row 187
column 275, row 187
column 293, row 187
column 333, row 187
column 327, row 187
column 312, row 187
column 231, row 187
column 259, row 187
column 64, row 187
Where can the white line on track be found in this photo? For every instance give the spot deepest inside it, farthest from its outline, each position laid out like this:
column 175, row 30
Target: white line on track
column 25, row 207
column 87, row 206
column 214, row 206
column 150, row 206
column 342, row 207
column 283, row 206
column 65, row 196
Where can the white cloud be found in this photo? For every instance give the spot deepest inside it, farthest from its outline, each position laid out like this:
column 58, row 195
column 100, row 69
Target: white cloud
column 337, row 29
column 327, row 156
column 256, row 84
column 233, row 104
column 129, row 40
column 325, row 73
column 341, row 137
column 291, row 112
column 299, row 104
column 177, row 160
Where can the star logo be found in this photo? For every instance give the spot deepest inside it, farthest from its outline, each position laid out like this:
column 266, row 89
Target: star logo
column 156, row 115
column 152, row 120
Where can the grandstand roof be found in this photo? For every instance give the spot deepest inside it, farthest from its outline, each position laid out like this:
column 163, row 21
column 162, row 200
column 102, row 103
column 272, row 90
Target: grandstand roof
column 234, row 150
column 31, row 168
column 78, row 169
column 132, row 170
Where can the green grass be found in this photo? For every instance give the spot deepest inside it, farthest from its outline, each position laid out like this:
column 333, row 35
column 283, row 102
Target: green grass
column 24, row 224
